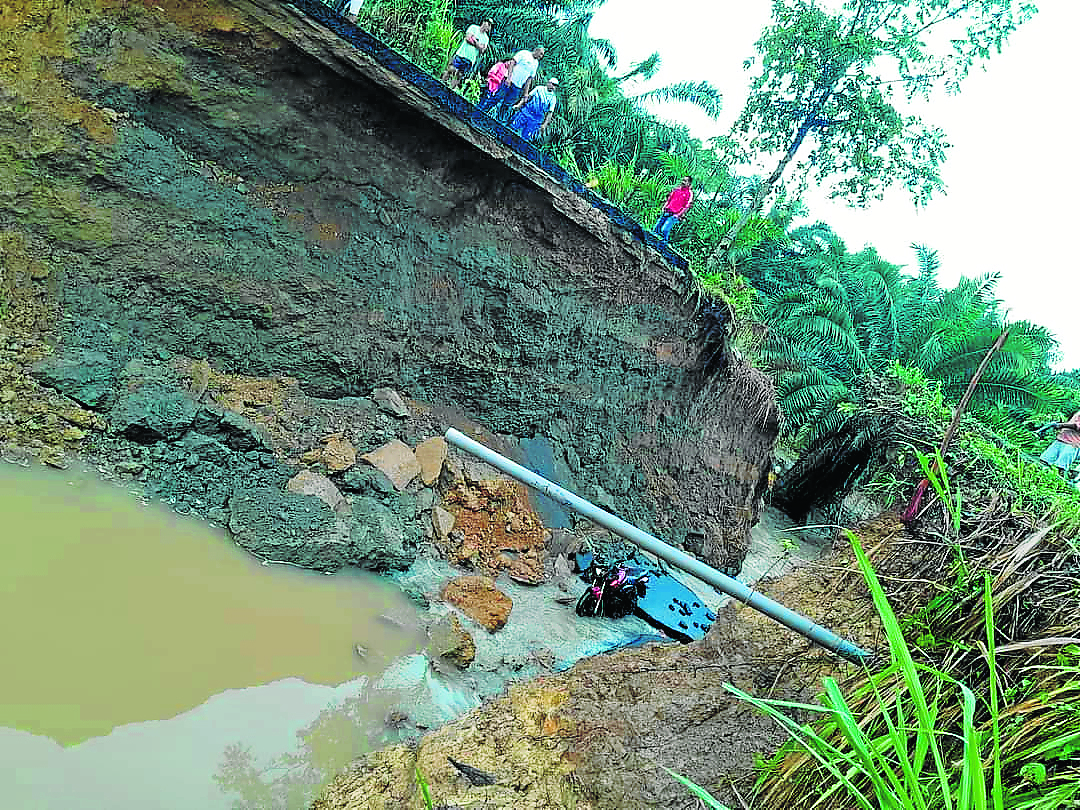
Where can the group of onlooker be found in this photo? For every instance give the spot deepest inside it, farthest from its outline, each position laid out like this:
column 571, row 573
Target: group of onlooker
column 508, row 93
column 510, row 96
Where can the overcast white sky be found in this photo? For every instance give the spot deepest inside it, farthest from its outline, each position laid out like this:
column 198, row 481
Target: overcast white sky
column 1012, row 174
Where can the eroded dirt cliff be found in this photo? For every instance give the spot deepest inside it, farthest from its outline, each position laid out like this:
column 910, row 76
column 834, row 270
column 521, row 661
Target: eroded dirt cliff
column 201, row 219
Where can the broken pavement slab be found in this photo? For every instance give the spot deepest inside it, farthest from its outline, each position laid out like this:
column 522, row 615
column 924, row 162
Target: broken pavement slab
column 396, row 460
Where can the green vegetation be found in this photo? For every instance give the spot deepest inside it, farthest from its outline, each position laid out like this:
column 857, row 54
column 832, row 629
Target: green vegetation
column 828, row 80
column 903, row 755
column 425, row 792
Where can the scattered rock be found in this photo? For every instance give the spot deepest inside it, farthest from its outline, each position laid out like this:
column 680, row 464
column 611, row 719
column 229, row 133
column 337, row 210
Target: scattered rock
column 564, row 574
column 230, row 428
column 381, row 538
column 200, row 378
column 425, row 500
column 397, row 461
column 367, row 480
column 130, row 467
column 528, row 568
column 496, row 529
column 82, row 418
column 152, row 414
column 431, row 453
column 85, row 375
column 307, row 482
column 442, row 521
column 338, row 454
column 390, row 401
column 480, row 600
column 55, row 459
column 451, row 641
column 208, row 449
column 288, row 527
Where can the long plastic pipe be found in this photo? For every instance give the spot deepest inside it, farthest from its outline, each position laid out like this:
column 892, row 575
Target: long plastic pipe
column 680, row 559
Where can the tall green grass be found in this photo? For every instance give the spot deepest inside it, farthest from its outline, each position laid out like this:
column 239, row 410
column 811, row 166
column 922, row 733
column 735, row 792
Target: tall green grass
column 905, row 753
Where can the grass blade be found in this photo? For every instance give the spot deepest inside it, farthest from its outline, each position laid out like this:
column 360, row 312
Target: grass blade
column 697, row 791
column 900, row 650
column 996, row 793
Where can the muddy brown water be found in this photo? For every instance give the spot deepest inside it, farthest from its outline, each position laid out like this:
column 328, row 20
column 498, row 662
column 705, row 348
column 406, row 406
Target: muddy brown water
column 139, row 645
column 144, row 655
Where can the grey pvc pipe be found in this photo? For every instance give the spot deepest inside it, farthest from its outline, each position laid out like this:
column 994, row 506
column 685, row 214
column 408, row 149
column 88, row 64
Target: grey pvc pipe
column 680, row 559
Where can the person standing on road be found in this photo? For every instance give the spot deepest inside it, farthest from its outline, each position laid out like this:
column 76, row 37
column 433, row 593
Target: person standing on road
column 526, row 63
column 463, row 61
column 498, row 80
column 533, row 113
column 677, row 204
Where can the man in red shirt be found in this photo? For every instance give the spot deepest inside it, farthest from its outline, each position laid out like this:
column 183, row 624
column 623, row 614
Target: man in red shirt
column 1063, row 452
column 677, row 204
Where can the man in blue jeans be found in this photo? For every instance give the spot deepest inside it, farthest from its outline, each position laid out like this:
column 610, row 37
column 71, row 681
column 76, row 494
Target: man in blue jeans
column 526, row 63
column 677, row 204
column 532, row 114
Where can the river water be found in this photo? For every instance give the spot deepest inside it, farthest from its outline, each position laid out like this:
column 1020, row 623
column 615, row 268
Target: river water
column 148, row 662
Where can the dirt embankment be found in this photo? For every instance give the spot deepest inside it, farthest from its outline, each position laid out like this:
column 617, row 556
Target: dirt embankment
column 185, row 189
column 600, row 735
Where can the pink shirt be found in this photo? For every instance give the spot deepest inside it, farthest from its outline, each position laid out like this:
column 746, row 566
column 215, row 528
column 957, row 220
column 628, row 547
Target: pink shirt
column 1071, row 435
column 496, row 76
column 678, row 201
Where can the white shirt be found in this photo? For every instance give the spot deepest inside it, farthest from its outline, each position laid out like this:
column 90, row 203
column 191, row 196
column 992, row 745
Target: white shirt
column 525, row 69
column 471, row 52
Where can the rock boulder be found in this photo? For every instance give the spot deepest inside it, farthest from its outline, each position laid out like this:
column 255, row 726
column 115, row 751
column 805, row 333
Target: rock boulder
column 85, row 375
column 397, row 461
column 480, row 600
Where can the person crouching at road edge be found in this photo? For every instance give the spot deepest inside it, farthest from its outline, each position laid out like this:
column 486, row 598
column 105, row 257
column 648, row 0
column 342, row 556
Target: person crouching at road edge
column 498, row 81
column 475, row 43
column 533, row 113
column 1063, row 451
column 677, row 204
column 526, row 63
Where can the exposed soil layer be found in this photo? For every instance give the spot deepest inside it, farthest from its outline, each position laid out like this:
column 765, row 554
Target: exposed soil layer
column 201, row 218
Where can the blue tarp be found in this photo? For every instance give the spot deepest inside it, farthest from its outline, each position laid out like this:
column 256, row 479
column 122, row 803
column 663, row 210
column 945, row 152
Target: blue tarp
column 464, row 110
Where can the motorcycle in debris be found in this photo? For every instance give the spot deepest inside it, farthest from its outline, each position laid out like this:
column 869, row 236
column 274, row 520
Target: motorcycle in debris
column 613, row 592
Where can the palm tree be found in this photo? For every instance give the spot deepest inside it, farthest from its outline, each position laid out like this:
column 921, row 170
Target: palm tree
column 840, row 321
